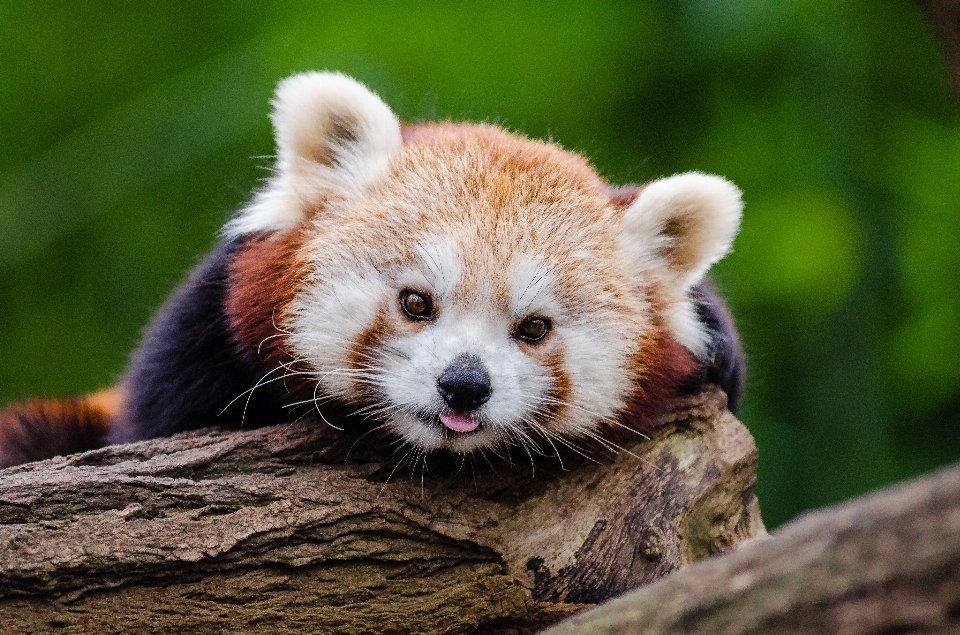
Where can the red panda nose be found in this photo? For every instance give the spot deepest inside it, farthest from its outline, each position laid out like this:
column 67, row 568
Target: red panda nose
column 465, row 384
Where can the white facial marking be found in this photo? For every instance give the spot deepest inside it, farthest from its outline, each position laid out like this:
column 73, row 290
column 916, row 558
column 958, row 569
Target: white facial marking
column 437, row 268
column 403, row 368
column 410, row 379
column 530, row 286
column 328, row 317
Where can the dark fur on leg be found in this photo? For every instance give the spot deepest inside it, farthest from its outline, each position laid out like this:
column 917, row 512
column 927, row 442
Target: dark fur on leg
column 189, row 367
column 726, row 363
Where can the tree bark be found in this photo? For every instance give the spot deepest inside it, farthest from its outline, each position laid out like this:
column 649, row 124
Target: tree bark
column 304, row 527
column 883, row 565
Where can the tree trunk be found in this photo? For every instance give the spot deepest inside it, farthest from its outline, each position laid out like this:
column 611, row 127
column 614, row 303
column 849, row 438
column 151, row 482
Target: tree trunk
column 302, row 528
column 943, row 16
column 888, row 564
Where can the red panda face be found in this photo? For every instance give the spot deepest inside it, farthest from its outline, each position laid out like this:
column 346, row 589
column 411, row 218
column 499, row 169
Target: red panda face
column 472, row 298
column 469, row 288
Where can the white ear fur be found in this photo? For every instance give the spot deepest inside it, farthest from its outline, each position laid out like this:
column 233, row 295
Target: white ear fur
column 334, row 138
column 673, row 232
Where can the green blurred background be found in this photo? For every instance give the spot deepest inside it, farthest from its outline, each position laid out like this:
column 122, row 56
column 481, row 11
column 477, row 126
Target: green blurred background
column 130, row 131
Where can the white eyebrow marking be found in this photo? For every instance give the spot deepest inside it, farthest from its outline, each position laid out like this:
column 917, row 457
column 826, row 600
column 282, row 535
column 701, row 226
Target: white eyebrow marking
column 531, row 278
column 442, row 263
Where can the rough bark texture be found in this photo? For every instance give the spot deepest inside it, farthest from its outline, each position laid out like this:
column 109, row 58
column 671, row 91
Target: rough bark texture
column 943, row 16
column 303, row 527
column 888, row 564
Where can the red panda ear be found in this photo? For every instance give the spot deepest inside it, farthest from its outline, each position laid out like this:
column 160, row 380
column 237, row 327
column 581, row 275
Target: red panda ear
column 334, row 138
column 684, row 223
column 673, row 231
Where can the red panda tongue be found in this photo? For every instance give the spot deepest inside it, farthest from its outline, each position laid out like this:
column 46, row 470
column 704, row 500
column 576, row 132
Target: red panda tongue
column 459, row 423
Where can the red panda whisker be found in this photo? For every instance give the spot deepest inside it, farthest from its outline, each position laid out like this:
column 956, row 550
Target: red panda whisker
column 280, row 332
column 545, row 433
column 354, row 372
column 473, row 465
column 399, row 463
column 526, row 442
column 390, row 414
column 370, row 431
column 599, row 417
column 306, row 412
column 366, row 410
column 617, row 424
column 384, row 353
column 436, row 269
column 534, row 281
column 249, row 391
column 276, row 327
column 269, row 337
column 379, row 408
column 423, row 471
column 387, row 350
column 551, row 436
column 547, row 399
column 392, row 410
column 316, row 405
column 397, row 442
column 375, row 409
column 313, row 401
column 509, row 459
column 377, row 414
column 619, row 448
column 485, row 457
column 532, row 444
column 533, row 464
column 514, row 432
column 605, row 418
column 360, row 371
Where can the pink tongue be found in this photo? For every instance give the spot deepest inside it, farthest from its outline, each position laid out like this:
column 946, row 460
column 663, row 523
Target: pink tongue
column 458, row 423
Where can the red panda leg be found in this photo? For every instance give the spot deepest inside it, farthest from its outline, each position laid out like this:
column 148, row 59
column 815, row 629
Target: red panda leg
column 40, row 429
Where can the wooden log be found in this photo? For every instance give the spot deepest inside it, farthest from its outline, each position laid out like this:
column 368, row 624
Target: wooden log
column 303, row 528
column 887, row 564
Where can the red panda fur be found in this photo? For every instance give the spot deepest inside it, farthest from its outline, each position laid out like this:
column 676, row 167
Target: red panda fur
column 354, row 186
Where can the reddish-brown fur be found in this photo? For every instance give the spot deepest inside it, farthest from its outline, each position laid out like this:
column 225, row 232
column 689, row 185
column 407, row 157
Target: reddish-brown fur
column 665, row 365
column 560, row 391
column 264, row 277
column 364, row 350
column 39, row 429
column 621, row 196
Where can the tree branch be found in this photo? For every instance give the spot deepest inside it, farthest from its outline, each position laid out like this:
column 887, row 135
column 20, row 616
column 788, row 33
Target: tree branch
column 303, row 527
column 882, row 565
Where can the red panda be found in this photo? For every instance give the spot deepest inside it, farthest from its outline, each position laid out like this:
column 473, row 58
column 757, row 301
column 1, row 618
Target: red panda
column 462, row 286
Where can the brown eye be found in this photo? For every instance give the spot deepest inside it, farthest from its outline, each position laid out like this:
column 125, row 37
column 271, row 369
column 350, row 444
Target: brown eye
column 417, row 306
column 533, row 329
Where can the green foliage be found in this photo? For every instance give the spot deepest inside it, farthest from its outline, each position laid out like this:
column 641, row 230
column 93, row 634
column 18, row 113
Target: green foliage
column 130, row 131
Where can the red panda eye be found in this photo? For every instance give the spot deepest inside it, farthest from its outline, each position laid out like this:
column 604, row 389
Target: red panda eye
column 417, row 306
column 533, row 329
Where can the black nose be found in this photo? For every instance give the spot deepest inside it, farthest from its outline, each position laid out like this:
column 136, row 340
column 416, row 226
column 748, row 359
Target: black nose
column 465, row 385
